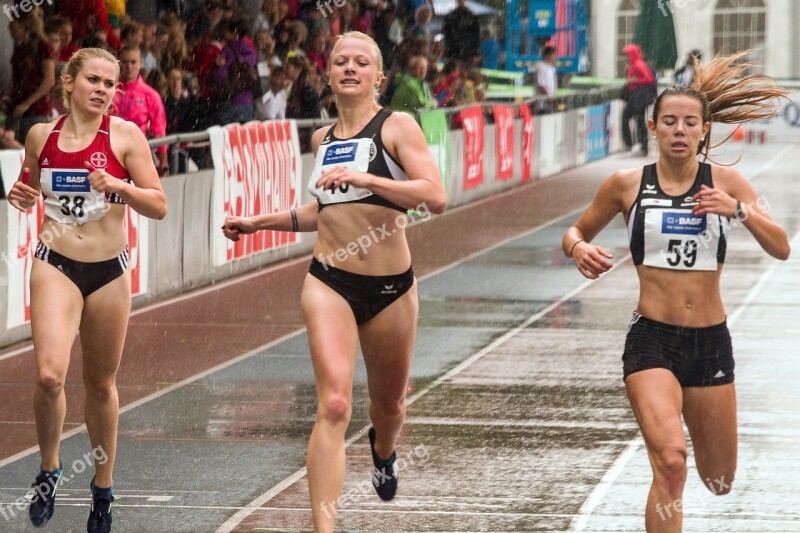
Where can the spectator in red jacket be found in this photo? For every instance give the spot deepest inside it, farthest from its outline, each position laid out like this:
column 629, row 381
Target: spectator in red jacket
column 641, row 81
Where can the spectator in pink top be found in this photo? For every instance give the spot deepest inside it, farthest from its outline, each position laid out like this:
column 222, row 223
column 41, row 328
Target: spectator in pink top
column 139, row 103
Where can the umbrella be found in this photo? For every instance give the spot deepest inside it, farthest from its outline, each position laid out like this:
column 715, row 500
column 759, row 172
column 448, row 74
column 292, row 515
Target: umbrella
column 655, row 34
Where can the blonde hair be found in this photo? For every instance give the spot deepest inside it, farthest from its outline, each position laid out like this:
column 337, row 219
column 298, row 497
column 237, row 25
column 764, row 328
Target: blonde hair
column 726, row 95
column 75, row 64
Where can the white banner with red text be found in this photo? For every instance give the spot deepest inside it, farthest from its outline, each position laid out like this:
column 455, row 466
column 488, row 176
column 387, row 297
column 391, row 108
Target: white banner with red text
column 257, row 170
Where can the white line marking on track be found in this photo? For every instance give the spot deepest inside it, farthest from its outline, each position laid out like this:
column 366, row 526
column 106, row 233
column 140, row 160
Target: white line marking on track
column 600, row 490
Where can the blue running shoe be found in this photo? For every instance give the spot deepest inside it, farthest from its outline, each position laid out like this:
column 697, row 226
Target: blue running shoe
column 100, row 512
column 43, row 502
column 384, row 476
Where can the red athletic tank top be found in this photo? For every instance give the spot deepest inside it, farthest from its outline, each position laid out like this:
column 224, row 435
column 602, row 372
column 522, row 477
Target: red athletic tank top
column 98, row 153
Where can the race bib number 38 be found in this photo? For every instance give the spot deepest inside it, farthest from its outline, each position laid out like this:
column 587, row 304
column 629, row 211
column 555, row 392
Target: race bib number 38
column 69, row 196
column 679, row 240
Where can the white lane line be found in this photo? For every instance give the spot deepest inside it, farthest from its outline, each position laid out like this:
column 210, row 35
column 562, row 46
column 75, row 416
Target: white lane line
column 600, row 490
column 236, row 519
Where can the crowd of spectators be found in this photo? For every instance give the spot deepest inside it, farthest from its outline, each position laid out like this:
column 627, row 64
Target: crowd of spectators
column 216, row 64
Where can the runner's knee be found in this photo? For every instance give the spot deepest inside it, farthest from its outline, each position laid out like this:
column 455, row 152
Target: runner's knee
column 101, row 391
column 50, row 382
column 335, row 408
column 669, row 466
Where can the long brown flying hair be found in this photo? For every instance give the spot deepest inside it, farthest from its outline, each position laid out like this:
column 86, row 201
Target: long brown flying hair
column 727, row 95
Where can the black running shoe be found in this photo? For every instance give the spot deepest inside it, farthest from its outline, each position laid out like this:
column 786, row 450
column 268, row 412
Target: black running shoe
column 43, row 502
column 100, row 512
column 384, row 476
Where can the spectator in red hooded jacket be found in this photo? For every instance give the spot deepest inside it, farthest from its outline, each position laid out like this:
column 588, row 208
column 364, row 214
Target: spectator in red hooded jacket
column 638, row 93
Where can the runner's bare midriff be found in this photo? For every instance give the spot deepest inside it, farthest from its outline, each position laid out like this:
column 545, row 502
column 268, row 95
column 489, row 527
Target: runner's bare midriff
column 363, row 239
column 690, row 299
column 91, row 242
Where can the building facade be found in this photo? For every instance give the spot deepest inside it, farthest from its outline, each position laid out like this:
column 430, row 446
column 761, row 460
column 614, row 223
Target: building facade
column 711, row 26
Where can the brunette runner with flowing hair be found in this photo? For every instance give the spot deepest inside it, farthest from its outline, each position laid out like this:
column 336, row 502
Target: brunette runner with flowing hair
column 678, row 357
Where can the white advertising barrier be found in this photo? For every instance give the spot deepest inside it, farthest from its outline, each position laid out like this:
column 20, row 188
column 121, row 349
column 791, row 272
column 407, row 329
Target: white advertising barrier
column 785, row 126
column 550, row 145
column 22, row 236
column 257, row 170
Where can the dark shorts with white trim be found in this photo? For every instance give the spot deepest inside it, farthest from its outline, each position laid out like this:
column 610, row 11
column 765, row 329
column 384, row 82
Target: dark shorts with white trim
column 366, row 295
column 698, row 357
column 88, row 277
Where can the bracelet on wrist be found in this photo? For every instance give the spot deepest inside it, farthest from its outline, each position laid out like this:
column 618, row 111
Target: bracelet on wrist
column 572, row 248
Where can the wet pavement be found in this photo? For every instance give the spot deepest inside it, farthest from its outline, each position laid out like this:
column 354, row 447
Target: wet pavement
column 517, row 420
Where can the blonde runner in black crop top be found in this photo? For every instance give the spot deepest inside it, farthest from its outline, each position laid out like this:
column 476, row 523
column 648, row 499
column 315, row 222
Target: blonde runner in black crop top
column 364, row 152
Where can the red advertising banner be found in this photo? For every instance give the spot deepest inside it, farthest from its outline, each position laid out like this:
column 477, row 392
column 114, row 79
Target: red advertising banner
column 503, row 141
column 258, row 171
column 472, row 120
column 527, row 141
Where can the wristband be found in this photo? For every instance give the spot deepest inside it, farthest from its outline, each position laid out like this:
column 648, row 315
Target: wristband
column 295, row 226
column 572, row 249
column 739, row 210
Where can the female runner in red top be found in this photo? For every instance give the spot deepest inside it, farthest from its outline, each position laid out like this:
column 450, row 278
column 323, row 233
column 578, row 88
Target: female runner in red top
column 88, row 166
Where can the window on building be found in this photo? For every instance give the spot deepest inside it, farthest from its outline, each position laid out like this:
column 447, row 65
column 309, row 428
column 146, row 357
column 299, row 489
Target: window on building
column 741, row 25
column 627, row 13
